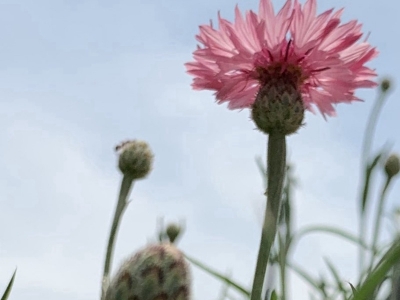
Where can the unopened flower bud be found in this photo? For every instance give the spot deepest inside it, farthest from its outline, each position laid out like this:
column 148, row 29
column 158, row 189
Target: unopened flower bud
column 135, row 159
column 173, row 231
column 385, row 85
column 156, row 272
column 278, row 108
column 392, row 165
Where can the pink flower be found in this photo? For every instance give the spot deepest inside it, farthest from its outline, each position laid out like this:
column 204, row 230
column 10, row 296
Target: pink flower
column 320, row 56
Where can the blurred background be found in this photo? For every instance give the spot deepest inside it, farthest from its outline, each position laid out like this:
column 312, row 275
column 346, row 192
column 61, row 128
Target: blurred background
column 77, row 77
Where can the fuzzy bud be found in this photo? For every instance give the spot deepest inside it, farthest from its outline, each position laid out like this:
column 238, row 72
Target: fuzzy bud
column 135, row 159
column 392, row 165
column 278, row 108
column 173, row 231
column 157, row 272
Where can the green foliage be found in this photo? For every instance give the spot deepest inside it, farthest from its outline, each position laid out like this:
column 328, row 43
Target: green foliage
column 274, row 296
column 9, row 287
column 219, row 276
column 383, row 259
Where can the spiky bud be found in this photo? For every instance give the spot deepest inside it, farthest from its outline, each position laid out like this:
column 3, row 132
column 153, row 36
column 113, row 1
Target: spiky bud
column 135, row 159
column 157, row 272
column 173, row 231
column 278, row 108
column 392, row 165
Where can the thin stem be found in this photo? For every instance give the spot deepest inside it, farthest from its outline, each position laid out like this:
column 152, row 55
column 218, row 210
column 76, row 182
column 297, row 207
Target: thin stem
column 366, row 148
column 371, row 126
column 282, row 266
column 276, row 162
column 126, row 185
column 378, row 221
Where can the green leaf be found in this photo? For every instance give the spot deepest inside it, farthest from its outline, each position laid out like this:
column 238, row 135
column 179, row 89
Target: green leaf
column 328, row 229
column 353, row 288
column 368, row 173
column 304, row 275
column 378, row 275
column 218, row 275
column 9, row 287
column 274, row 296
column 336, row 276
column 224, row 291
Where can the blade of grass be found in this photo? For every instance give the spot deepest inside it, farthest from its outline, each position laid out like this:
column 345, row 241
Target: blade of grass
column 328, row 229
column 378, row 275
column 224, row 291
column 336, row 276
column 218, row 275
column 306, row 277
column 9, row 287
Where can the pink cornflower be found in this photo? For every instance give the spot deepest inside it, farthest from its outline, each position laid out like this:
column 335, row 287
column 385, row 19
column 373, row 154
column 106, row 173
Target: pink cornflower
column 320, row 57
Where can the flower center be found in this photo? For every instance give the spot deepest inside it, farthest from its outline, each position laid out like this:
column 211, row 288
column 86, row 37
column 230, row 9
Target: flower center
column 280, row 72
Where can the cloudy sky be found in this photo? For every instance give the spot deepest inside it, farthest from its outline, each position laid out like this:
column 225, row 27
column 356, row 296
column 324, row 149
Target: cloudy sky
column 77, row 77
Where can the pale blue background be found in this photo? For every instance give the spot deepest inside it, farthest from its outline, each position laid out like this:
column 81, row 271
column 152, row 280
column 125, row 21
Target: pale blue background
column 77, row 77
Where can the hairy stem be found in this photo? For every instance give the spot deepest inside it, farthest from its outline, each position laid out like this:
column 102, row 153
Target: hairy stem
column 276, row 162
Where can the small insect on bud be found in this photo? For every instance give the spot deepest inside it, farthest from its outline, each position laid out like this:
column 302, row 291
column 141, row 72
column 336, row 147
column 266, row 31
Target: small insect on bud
column 156, row 272
column 173, row 231
column 135, row 158
column 392, row 165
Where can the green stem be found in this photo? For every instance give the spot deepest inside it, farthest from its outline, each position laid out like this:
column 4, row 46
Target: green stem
column 276, row 162
column 378, row 221
column 367, row 142
column 126, row 185
column 282, row 266
column 371, row 126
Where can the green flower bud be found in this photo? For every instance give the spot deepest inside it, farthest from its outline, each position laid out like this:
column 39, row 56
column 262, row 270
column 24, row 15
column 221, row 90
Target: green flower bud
column 278, row 108
column 135, row 159
column 173, row 231
column 157, row 272
column 392, row 165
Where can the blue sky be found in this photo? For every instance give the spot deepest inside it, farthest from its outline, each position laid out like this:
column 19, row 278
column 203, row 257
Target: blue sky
column 77, row 77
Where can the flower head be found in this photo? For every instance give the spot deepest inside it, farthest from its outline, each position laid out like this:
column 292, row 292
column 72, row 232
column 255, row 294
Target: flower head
column 153, row 273
column 315, row 54
column 135, row 158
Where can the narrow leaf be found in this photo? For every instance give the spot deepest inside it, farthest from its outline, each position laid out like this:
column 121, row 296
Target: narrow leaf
column 335, row 275
column 274, row 296
column 368, row 173
column 218, row 275
column 9, row 287
column 378, row 275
